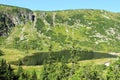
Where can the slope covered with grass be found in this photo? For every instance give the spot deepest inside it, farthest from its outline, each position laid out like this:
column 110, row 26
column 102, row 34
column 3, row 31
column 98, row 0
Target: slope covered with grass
column 69, row 44
column 96, row 30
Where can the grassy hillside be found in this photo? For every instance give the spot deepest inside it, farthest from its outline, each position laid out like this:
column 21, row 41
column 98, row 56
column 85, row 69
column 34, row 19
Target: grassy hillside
column 90, row 29
column 68, row 45
column 96, row 30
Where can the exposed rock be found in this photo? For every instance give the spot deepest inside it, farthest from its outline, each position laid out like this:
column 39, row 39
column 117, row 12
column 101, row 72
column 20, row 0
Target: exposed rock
column 11, row 16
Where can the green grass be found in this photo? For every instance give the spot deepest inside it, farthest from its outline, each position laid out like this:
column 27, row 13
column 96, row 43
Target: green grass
column 14, row 55
column 11, row 54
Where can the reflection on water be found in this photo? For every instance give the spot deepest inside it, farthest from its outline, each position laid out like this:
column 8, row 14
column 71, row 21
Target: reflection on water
column 38, row 58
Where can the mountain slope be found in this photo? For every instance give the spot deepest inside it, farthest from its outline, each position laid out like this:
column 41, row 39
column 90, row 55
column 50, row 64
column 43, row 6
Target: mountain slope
column 96, row 30
column 89, row 29
column 10, row 16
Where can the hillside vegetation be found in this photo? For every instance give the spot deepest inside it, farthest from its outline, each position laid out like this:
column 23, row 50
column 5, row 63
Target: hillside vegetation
column 58, row 45
column 96, row 30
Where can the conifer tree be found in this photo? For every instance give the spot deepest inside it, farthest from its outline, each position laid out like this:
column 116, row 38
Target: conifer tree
column 113, row 71
column 34, row 75
column 3, row 69
column 24, row 76
column 64, row 70
column 20, row 73
column 44, row 74
column 9, row 73
column 1, row 52
column 20, row 62
column 74, row 60
column 6, row 71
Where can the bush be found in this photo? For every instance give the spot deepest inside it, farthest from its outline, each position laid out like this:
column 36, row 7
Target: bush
column 49, row 19
column 1, row 52
column 40, row 25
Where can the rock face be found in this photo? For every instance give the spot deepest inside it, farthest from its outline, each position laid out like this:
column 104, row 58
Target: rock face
column 5, row 24
column 11, row 16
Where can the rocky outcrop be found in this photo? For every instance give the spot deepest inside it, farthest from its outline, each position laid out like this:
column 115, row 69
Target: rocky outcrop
column 5, row 24
column 11, row 16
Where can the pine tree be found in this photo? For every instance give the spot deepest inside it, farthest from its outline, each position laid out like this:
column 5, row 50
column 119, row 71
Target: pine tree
column 19, row 71
column 6, row 71
column 74, row 60
column 3, row 69
column 113, row 71
column 3, row 66
column 9, row 73
column 44, row 73
column 34, row 75
column 64, row 70
column 23, row 76
column 49, row 68
column 1, row 52
column 20, row 62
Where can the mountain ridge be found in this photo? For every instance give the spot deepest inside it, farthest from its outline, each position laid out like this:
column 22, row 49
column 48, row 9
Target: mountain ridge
column 88, row 29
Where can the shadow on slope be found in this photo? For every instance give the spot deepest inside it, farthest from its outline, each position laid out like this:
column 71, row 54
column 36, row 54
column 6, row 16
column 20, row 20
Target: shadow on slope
column 38, row 58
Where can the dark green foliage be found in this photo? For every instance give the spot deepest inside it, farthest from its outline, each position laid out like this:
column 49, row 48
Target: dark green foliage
column 20, row 63
column 3, row 68
column 60, row 71
column 90, row 73
column 6, row 72
column 49, row 19
column 20, row 71
column 1, row 52
column 34, row 75
column 54, row 70
column 22, row 75
column 64, row 70
column 2, row 39
column 113, row 71
column 9, row 73
column 59, row 19
column 76, row 17
column 40, row 25
column 16, row 42
column 44, row 73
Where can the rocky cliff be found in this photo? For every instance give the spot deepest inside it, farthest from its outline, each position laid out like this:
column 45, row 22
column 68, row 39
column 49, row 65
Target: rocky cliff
column 10, row 16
